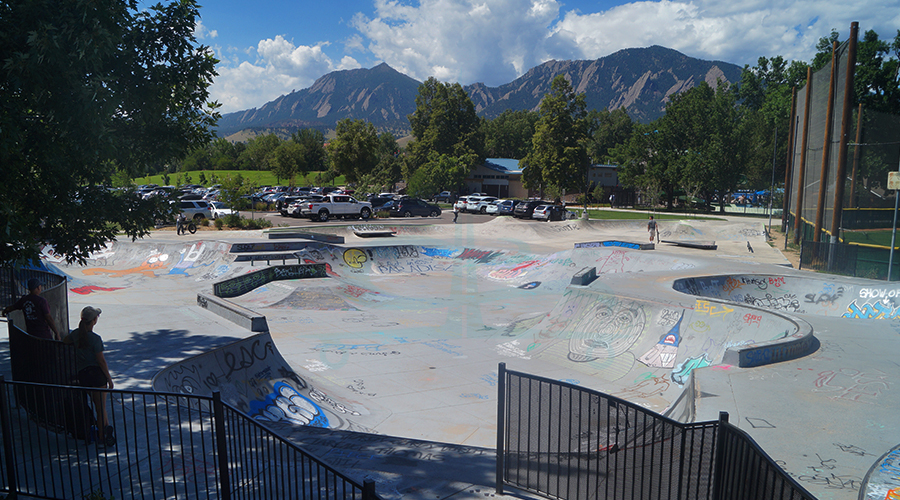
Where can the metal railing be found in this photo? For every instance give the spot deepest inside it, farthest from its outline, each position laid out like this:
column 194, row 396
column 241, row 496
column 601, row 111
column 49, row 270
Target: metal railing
column 563, row 441
column 167, row 446
column 13, row 286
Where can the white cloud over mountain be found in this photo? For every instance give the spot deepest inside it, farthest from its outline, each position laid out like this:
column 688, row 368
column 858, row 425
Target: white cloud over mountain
column 495, row 41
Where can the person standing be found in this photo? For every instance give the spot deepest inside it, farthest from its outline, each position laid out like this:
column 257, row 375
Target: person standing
column 651, row 227
column 92, row 368
column 455, row 211
column 38, row 321
column 180, row 224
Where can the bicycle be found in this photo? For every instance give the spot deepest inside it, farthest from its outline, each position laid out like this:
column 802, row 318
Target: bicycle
column 190, row 226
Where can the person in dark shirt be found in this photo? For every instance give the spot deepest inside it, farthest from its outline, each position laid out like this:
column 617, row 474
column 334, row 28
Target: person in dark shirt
column 38, row 321
column 92, row 368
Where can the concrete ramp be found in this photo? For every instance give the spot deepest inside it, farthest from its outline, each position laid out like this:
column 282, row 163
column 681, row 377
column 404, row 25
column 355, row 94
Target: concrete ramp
column 254, row 377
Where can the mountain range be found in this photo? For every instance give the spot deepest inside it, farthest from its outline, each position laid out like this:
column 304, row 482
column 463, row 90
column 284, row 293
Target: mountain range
column 639, row 79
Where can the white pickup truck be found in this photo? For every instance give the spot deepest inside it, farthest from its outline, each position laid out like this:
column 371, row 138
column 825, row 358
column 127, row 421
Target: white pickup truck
column 336, row 205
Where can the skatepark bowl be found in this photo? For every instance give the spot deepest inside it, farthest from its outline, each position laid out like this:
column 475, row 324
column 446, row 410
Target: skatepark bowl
column 380, row 354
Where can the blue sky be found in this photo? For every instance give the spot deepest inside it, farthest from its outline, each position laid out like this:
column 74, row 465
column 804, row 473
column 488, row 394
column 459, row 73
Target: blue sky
column 270, row 48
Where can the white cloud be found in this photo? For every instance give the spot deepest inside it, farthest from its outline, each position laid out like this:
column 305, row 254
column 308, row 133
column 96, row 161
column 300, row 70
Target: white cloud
column 459, row 40
column 202, row 32
column 280, row 67
column 496, row 41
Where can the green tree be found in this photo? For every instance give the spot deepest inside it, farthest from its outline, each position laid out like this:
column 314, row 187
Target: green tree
column 312, row 150
column 234, row 188
column 706, row 141
column 354, row 150
column 259, row 153
column 389, row 168
column 607, row 129
column 286, row 161
column 444, row 123
column 558, row 157
column 643, row 162
column 87, row 86
column 509, row 135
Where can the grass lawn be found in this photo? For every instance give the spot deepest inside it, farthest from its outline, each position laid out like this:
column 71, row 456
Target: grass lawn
column 258, row 178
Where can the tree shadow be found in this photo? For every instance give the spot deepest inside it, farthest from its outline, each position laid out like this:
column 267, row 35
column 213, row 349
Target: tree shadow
column 137, row 360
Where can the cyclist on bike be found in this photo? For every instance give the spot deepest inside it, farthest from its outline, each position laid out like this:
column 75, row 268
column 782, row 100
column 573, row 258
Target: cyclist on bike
column 180, row 224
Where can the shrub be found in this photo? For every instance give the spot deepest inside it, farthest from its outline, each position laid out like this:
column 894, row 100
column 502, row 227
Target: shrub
column 260, row 206
column 232, row 220
column 203, row 222
column 256, row 223
column 219, row 223
column 382, row 214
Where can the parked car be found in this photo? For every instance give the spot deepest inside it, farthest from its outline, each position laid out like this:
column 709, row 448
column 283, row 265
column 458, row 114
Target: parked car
column 284, row 202
column 220, row 209
column 526, row 208
column 379, row 200
column 408, row 207
column 506, row 207
column 478, row 204
column 493, row 208
column 461, row 203
column 549, row 213
column 445, row 196
column 335, row 205
column 195, row 209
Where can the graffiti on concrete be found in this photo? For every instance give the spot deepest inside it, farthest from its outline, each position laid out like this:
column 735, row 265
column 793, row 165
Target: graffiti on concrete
column 663, row 354
column 873, row 310
column 285, row 404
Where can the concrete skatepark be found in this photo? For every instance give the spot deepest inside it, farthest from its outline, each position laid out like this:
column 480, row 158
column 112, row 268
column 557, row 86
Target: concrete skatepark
column 387, row 367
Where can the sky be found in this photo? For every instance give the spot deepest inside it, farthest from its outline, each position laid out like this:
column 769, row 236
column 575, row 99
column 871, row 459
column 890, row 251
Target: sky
column 271, row 48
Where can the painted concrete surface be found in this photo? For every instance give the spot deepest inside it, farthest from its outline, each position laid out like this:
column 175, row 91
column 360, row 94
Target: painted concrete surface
column 404, row 336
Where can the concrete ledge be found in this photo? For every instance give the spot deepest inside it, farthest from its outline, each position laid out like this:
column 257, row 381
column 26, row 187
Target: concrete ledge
column 327, row 238
column 238, row 315
column 384, row 233
column 702, row 245
column 242, row 284
column 584, row 277
column 270, row 246
column 284, row 258
column 616, row 243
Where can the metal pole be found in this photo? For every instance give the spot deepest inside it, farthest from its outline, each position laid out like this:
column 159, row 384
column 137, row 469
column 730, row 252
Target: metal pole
column 8, row 453
column 772, row 188
column 893, row 230
column 501, row 427
column 221, row 447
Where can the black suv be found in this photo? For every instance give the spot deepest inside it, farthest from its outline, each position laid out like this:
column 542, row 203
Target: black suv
column 407, row 207
column 525, row 209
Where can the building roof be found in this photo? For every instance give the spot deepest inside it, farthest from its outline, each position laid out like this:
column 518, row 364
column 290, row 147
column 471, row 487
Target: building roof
column 505, row 165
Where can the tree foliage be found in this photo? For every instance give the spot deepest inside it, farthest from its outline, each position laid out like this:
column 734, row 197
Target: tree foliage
column 509, row 135
column 88, row 87
column 444, row 123
column 354, row 151
column 558, row 158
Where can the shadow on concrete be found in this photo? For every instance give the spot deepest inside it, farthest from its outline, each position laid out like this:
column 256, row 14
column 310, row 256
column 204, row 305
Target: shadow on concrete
column 135, row 361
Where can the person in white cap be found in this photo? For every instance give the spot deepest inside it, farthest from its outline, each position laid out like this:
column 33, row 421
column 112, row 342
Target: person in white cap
column 38, row 320
column 92, row 368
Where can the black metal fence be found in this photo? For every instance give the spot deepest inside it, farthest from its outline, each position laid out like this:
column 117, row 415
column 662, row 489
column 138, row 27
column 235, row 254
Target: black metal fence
column 168, row 446
column 861, row 261
column 13, row 285
column 563, row 441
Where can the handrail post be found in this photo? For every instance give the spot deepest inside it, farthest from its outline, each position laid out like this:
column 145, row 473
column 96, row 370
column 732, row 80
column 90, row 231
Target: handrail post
column 501, row 425
column 7, row 439
column 368, row 490
column 221, row 447
column 719, row 465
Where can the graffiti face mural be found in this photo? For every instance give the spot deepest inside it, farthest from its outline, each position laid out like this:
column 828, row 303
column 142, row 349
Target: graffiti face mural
column 606, row 331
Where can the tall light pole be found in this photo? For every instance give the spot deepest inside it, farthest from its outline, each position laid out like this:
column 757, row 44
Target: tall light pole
column 772, row 187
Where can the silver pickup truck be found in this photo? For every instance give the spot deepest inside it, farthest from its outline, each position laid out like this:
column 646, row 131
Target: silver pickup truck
column 338, row 206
